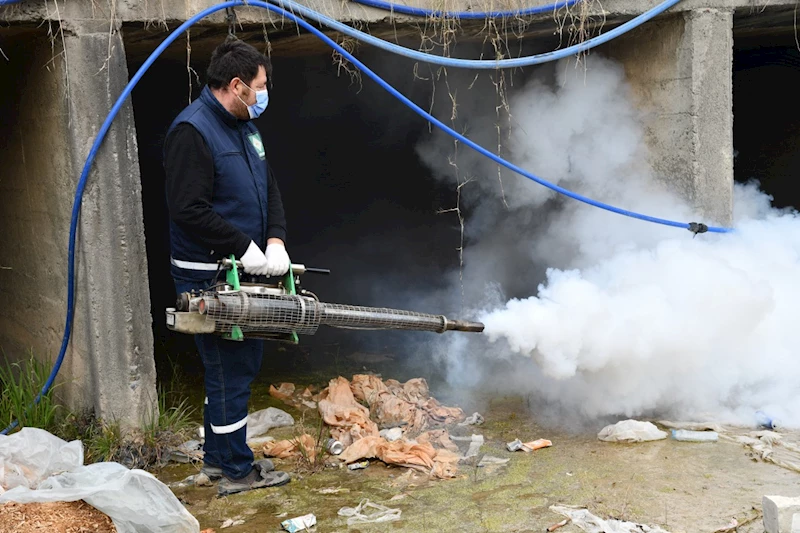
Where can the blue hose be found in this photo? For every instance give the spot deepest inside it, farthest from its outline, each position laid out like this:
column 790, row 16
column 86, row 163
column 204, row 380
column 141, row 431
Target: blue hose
column 478, row 64
column 9, row 2
column 76, row 206
column 464, row 15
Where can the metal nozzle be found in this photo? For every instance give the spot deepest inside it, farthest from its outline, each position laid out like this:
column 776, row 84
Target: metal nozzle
column 464, row 325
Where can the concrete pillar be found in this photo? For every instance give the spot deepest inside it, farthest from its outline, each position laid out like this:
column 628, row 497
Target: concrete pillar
column 111, row 362
column 681, row 70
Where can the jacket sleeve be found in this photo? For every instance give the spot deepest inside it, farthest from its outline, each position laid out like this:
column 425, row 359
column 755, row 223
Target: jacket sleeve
column 189, row 170
column 276, row 217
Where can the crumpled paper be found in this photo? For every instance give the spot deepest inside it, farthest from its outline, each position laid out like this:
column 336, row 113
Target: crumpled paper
column 348, row 419
column 302, row 446
column 410, row 454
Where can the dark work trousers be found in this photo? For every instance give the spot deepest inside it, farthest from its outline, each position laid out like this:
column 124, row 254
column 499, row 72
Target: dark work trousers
column 230, row 367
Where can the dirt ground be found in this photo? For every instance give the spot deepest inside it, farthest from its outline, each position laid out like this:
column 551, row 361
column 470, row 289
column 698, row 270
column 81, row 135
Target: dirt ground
column 62, row 517
column 679, row 486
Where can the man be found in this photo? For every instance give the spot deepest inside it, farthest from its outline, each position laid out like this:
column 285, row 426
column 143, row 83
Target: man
column 223, row 200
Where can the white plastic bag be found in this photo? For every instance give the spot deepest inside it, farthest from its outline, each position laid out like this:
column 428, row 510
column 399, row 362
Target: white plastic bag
column 378, row 513
column 31, row 455
column 262, row 421
column 631, row 431
column 590, row 523
column 135, row 500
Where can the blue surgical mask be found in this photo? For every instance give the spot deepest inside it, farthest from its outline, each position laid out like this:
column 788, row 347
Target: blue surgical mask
column 262, row 99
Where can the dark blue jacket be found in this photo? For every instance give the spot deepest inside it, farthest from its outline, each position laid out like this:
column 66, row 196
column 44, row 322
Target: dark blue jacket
column 240, row 185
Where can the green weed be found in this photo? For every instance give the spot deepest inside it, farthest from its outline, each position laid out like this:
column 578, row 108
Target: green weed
column 21, row 383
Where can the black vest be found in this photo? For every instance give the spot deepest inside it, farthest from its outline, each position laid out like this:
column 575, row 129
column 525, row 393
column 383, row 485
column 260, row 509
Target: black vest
column 240, row 184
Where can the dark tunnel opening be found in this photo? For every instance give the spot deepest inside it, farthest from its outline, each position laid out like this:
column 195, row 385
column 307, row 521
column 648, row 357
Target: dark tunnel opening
column 358, row 201
column 766, row 125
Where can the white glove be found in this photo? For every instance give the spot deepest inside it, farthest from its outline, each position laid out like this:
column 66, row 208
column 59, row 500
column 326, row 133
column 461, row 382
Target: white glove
column 254, row 261
column 277, row 260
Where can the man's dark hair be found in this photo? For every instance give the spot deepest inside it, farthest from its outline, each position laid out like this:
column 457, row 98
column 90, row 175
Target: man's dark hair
column 236, row 59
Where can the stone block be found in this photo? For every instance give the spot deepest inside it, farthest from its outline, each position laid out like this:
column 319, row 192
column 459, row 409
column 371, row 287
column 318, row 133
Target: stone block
column 779, row 512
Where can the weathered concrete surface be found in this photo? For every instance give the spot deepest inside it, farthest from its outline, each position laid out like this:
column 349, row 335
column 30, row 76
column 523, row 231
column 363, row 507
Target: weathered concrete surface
column 680, row 69
column 52, row 113
column 779, row 512
column 113, row 346
column 35, row 196
column 682, row 487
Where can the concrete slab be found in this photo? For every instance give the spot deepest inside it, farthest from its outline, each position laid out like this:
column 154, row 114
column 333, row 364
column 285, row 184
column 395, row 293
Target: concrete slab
column 779, row 512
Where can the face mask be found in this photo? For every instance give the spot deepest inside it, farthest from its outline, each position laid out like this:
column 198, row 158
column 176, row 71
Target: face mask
column 262, row 99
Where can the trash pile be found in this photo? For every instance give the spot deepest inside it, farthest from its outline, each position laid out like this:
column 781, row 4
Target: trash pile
column 37, row 467
column 369, row 418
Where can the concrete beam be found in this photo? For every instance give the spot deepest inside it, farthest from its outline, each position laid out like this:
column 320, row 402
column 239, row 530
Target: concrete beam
column 681, row 71
column 111, row 360
column 159, row 11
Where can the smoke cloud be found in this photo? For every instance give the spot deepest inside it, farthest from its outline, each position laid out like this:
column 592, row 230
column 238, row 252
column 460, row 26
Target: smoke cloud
column 597, row 315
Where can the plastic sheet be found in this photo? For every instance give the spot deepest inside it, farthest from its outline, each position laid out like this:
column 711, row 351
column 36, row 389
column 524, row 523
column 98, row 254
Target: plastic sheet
column 590, row 523
column 631, row 431
column 260, row 422
column 377, row 513
column 135, row 500
column 31, row 455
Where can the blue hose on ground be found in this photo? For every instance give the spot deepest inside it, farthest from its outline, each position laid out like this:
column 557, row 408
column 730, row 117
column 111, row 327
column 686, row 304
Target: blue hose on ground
column 9, row 2
column 464, row 15
column 76, row 207
column 479, row 64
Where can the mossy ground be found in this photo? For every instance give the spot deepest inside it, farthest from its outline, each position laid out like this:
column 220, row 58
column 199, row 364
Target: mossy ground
column 679, row 486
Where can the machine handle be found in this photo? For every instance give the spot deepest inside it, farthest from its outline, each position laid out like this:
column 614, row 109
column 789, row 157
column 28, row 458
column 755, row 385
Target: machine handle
column 297, row 268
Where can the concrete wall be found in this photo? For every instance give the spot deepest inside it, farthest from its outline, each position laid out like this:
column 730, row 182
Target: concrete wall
column 35, row 198
column 51, row 114
column 680, row 68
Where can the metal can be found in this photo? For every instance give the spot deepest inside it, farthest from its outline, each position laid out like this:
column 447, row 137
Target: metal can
column 334, row 447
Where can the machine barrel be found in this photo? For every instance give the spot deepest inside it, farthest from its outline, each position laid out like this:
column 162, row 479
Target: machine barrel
column 286, row 313
column 356, row 317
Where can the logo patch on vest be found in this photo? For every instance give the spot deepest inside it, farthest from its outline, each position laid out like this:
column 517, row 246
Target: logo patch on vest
column 255, row 140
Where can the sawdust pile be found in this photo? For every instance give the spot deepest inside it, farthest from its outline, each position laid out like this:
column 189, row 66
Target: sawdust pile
column 61, row 517
column 356, row 411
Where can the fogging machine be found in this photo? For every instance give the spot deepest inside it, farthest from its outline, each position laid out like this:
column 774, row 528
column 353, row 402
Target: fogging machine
column 241, row 307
